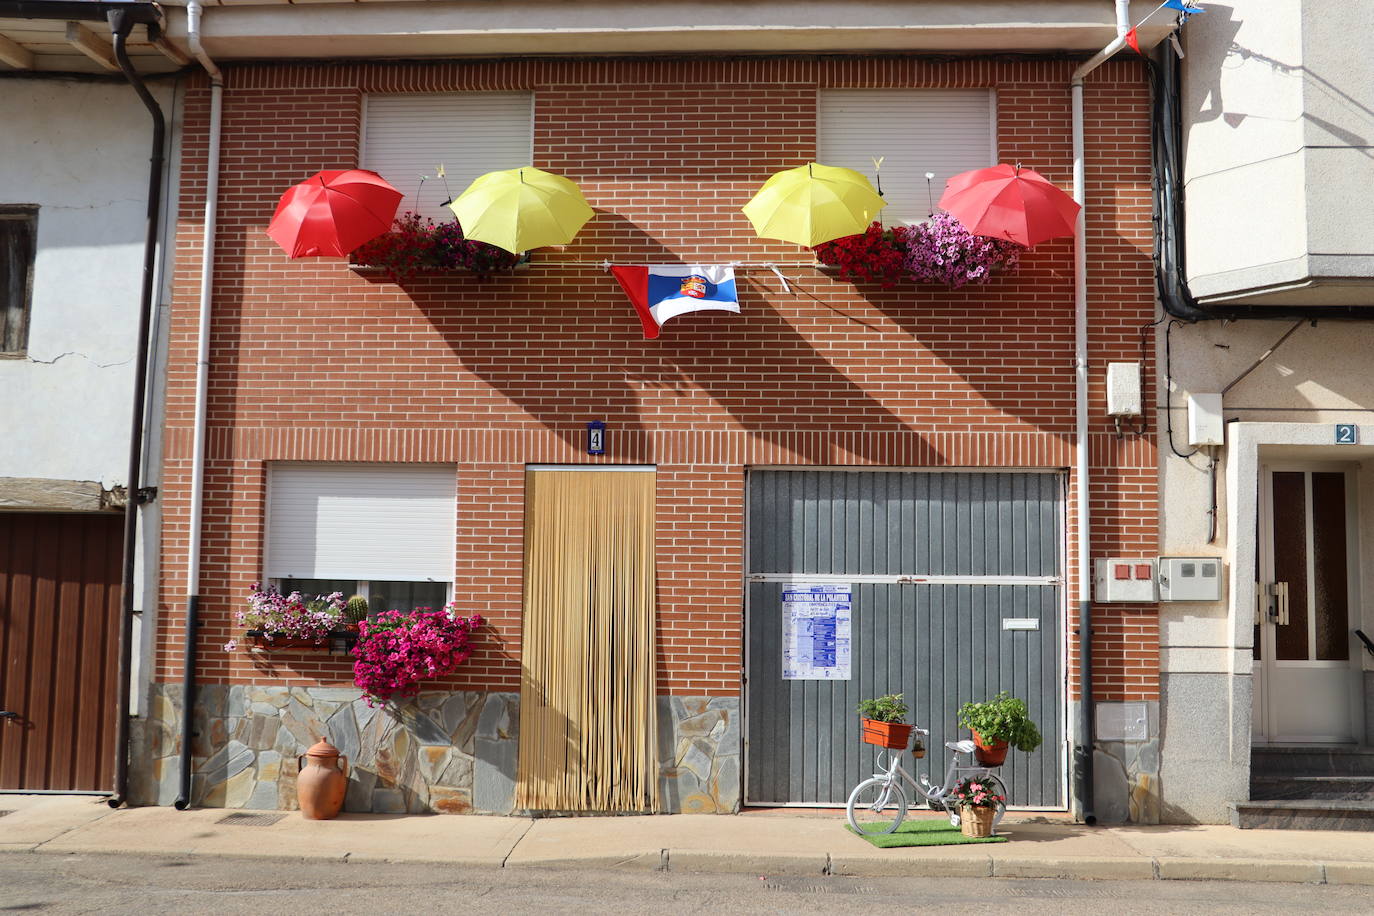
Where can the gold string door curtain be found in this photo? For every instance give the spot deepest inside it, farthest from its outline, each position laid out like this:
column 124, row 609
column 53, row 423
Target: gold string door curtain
column 588, row 717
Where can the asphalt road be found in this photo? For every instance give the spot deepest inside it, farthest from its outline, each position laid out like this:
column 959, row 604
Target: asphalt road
column 154, row 885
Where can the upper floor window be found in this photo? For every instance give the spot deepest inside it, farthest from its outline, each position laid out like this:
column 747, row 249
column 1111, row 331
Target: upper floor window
column 386, row 532
column 469, row 134
column 913, row 131
column 18, row 234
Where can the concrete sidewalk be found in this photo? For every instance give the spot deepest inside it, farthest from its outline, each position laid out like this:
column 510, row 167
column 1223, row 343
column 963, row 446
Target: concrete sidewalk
column 769, row 842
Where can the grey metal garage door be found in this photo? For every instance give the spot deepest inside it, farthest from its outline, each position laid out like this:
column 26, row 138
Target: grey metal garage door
column 936, row 562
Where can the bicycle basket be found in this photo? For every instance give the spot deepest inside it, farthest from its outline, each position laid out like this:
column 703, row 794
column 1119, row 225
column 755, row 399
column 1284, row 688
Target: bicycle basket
column 892, row 735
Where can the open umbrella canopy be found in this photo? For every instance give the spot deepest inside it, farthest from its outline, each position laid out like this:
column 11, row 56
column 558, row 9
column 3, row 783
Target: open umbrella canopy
column 333, row 212
column 1009, row 202
column 812, row 204
column 520, row 209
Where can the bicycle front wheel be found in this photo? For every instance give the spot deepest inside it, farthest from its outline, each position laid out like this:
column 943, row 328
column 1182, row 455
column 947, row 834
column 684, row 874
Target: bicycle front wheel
column 876, row 806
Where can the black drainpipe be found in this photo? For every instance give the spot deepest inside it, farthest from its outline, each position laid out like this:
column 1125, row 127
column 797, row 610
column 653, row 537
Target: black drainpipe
column 121, row 24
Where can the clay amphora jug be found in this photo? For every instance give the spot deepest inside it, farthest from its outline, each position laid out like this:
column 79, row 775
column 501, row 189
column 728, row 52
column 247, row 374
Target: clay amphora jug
column 321, row 785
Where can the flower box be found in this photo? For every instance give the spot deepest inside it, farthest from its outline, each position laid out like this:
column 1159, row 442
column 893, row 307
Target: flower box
column 336, row 641
column 892, row 735
column 418, row 245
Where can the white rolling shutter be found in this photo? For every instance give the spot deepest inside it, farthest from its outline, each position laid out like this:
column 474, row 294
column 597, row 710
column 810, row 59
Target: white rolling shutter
column 468, row 133
column 945, row 131
column 356, row 521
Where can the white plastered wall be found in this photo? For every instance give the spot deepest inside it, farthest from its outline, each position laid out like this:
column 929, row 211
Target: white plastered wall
column 80, row 151
column 1285, row 409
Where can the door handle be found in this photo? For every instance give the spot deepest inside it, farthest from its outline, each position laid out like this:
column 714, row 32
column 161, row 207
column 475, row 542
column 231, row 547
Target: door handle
column 6, row 714
column 1277, row 593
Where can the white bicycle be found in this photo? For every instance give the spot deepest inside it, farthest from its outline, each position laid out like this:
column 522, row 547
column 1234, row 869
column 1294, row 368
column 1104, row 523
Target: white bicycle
column 878, row 804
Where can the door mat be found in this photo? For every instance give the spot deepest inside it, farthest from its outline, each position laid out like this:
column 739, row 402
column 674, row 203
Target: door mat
column 924, row 832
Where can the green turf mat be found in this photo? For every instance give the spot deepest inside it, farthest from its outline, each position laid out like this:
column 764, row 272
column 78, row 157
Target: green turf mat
column 924, row 832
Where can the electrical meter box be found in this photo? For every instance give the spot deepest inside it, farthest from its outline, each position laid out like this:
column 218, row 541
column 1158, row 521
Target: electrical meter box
column 1189, row 579
column 1124, row 579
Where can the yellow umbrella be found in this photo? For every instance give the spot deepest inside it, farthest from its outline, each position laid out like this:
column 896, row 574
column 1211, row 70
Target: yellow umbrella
column 520, row 209
column 812, row 204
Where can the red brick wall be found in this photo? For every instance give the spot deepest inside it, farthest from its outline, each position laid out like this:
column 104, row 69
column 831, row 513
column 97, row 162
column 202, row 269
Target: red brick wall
column 312, row 361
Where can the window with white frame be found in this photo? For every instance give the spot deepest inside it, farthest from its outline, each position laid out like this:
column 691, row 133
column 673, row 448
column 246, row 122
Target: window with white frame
column 386, row 532
column 913, row 131
column 408, row 138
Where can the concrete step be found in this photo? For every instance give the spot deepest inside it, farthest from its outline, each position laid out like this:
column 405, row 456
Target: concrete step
column 1274, row 761
column 1350, row 788
column 1304, row 814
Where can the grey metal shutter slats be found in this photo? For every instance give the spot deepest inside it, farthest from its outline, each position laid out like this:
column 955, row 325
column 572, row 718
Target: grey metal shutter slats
column 939, row 644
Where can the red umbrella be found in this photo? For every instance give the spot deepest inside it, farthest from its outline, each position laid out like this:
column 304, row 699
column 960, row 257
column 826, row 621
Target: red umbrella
column 1009, row 202
column 334, row 212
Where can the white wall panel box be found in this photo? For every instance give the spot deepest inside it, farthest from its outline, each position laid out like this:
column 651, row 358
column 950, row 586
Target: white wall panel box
column 1119, row 580
column 1190, row 578
column 1205, row 424
column 1123, row 389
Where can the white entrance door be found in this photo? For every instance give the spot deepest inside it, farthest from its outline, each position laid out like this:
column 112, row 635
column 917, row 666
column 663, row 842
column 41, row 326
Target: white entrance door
column 1306, row 684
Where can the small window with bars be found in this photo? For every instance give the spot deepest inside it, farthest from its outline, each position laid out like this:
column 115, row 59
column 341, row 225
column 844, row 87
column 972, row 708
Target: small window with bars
column 18, row 235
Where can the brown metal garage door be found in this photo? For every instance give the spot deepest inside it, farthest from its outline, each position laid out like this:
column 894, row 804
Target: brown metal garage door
column 59, row 631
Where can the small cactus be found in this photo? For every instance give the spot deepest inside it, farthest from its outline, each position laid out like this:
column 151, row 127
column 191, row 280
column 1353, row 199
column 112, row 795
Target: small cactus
column 356, row 610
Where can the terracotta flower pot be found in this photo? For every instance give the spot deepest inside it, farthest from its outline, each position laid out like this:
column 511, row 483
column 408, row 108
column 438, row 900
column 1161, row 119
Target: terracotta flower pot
column 989, row 755
column 976, row 822
column 893, row 735
column 321, row 785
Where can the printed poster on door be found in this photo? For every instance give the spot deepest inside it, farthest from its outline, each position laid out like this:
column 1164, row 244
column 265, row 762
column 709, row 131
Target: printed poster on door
column 815, row 631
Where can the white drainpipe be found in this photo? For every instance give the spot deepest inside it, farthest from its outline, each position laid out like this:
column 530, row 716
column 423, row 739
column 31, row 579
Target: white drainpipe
column 207, row 275
column 1080, row 360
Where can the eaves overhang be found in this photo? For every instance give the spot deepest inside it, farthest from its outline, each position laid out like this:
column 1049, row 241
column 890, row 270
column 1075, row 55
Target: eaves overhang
column 405, row 29
column 72, row 36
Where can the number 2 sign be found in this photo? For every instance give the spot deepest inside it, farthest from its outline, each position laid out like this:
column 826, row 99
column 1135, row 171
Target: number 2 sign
column 1347, row 434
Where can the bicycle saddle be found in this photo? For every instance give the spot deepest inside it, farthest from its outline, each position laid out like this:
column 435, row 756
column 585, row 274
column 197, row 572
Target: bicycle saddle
column 962, row 747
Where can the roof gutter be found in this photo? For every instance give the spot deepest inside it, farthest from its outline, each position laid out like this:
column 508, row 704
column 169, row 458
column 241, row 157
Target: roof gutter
column 1083, row 750
column 197, row 508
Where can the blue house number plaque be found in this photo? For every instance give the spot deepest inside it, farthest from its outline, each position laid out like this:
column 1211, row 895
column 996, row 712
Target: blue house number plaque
column 1347, row 434
column 596, row 438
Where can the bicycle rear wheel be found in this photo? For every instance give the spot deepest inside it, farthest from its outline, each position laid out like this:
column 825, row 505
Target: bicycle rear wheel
column 876, row 806
column 1000, row 788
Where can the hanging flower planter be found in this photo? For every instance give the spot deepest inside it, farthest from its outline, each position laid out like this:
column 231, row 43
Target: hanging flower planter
column 400, row 649
column 276, row 621
column 942, row 250
column 416, row 243
column 876, row 255
column 336, row 640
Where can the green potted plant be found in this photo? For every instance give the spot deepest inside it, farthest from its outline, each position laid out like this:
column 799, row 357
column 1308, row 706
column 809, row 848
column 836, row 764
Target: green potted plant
column 998, row 723
column 884, row 721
